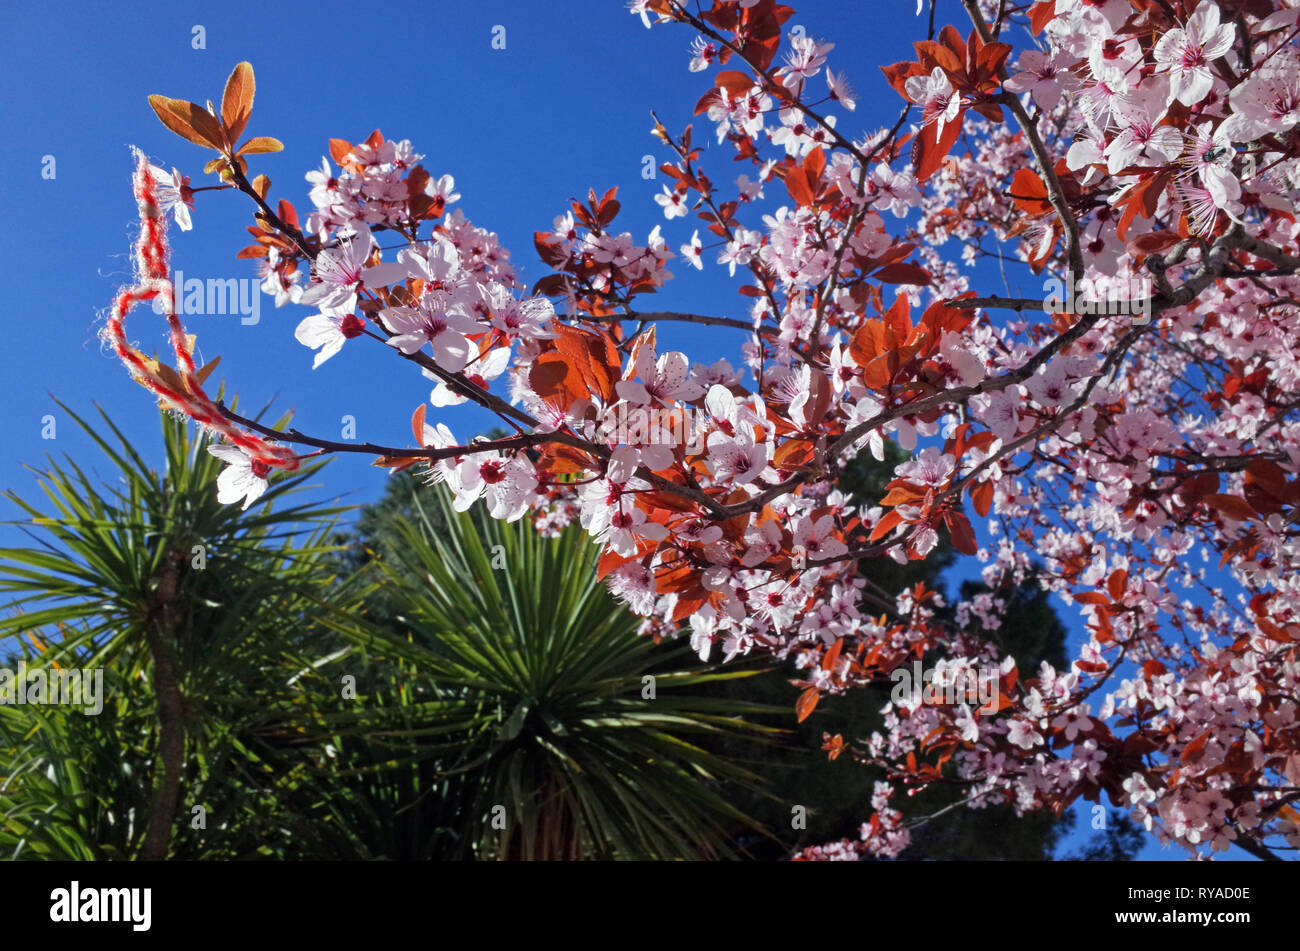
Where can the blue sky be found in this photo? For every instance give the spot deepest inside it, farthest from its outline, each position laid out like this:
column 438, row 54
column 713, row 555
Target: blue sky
column 564, row 107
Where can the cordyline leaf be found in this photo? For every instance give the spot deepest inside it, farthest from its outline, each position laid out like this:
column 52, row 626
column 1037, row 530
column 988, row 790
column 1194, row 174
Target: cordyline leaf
column 237, row 101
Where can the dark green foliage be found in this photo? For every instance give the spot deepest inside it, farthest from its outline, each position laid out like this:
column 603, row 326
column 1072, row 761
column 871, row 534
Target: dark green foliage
column 490, row 669
column 149, row 568
column 517, row 690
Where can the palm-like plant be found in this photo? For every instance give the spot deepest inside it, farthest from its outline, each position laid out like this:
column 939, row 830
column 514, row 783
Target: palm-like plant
column 529, row 720
column 199, row 612
column 511, row 687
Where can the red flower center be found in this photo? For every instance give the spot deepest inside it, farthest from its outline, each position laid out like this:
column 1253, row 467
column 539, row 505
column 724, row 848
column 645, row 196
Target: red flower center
column 352, row 326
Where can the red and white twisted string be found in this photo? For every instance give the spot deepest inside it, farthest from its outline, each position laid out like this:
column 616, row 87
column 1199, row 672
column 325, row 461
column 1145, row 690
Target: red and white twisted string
column 151, row 258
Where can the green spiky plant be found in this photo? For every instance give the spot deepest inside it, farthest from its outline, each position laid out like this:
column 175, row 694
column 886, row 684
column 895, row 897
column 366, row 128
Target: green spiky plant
column 526, row 724
column 519, row 686
column 198, row 612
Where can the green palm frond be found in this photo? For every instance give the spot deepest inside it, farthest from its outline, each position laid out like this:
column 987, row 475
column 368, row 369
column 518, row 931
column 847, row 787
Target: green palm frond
column 525, row 698
column 148, row 566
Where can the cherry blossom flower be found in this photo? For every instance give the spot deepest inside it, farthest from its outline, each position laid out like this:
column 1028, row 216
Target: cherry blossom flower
column 1073, row 722
column 325, row 186
column 736, row 460
column 1186, row 53
column 506, row 483
column 1051, row 387
column 894, row 191
column 815, row 538
column 931, row 467
column 243, row 477
column 1043, row 76
column 703, row 54
column 694, row 252
column 481, row 372
column 530, row 317
column 326, row 334
column 673, row 203
column 1267, row 101
column 174, row 195
column 413, row 327
column 803, row 62
column 340, row 273
column 741, row 249
column 749, row 191
column 627, row 526
column 840, row 90
column 939, row 102
column 668, row 378
column 1022, row 734
column 276, row 280
column 1143, row 141
column 967, row 364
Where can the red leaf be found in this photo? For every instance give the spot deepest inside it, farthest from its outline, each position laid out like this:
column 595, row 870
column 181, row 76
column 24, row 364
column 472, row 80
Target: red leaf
column 904, row 274
column 339, row 149
column 609, row 562
column 806, row 703
column 1040, row 14
column 885, row 525
column 1233, row 506
column 963, row 536
column 796, row 183
column 1029, row 193
column 832, row 655
column 1143, row 198
column 1092, row 597
column 417, row 425
column 929, row 149
column 1193, row 751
